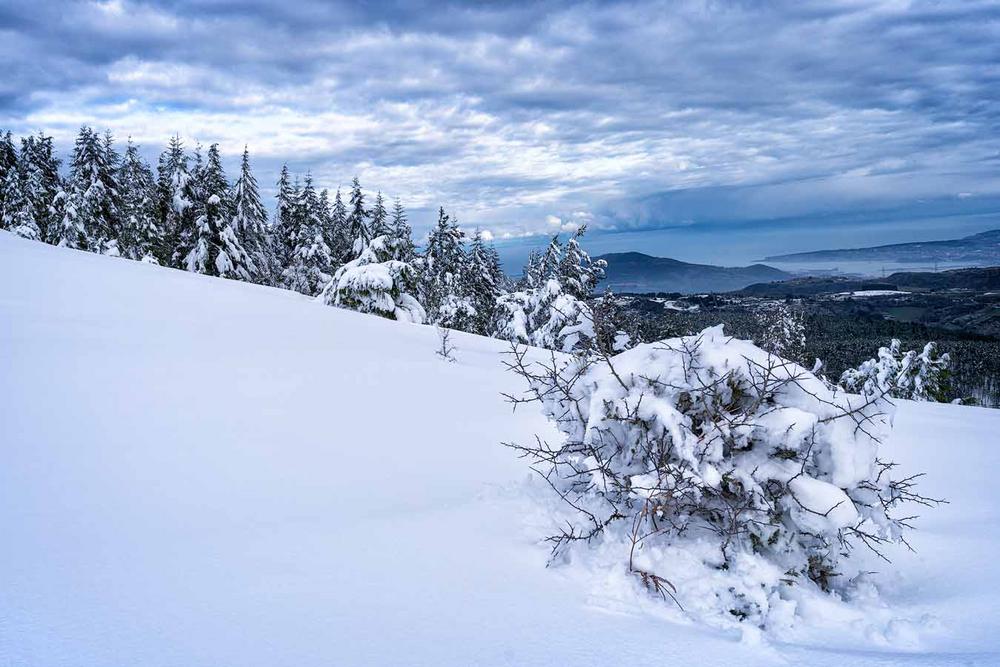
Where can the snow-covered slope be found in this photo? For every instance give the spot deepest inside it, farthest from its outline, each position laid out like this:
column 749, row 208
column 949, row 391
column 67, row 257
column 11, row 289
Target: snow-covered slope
column 203, row 472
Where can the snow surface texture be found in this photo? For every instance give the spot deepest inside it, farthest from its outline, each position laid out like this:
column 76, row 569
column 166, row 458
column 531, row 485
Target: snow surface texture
column 204, row 472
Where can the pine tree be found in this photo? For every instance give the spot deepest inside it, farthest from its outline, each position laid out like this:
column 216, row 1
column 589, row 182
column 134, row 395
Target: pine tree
column 310, row 262
column 483, row 282
column 18, row 213
column 175, row 191
column 8, row 166
column 36, row 209
column 531, row 276
column 327, row 218
column 615, row 330
column 338, row 233
column 109, row 238
column 399, row 229
column 550, row 261
column 578, row 273
column 377, row 283
column 249, row 225
column 282, row 232
column 357, row 220
column 443, row 293
column 379, row 217
column 210, row 246
column 915, row 376
column 141, row 237
column 92, row 214
column 545, row 316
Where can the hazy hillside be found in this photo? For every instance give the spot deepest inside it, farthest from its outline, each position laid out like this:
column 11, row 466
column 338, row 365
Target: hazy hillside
column 983, row 248
column 636, row 272
column 964, row 279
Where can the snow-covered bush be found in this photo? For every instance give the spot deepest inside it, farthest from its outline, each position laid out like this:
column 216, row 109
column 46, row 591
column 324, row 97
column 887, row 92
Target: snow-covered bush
column 372, row 283
column 916, row 376
column 716, row 467
column 547, row 316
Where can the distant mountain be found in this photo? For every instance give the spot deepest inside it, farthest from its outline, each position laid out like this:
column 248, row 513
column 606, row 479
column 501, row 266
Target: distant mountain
column 981, row 279
column 636, row 272
column 983, row 248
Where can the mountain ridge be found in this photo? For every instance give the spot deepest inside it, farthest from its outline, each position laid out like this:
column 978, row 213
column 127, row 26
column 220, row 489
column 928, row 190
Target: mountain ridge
column 982, row 247
column 638, row 272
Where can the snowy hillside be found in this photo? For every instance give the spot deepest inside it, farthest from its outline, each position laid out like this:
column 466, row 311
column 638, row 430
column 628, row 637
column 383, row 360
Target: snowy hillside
column 205, row 472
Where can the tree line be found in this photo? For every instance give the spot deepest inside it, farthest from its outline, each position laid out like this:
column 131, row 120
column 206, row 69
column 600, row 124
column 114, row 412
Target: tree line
column 346, row 249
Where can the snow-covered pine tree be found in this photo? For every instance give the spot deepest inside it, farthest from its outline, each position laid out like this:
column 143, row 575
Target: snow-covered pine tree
column 37, row 210
column 614, row 329
column 338, row 235
column 175, row 193
column 400, row 230
column 232, row 261
column 550, row 261
column 546, row 312
column 578, row 273
column 545, row 316
column 8, row 166
column 141, row 237
column 443, row 292
column 483, row 282
column 309, row 266
column 927, row 374
column 531, row 274
column 357, row 220
column 92, row 209
column 202, row 248
column 18, row 213
column 379, row 225
column 249, row 225
column 377, row 283
column 109, row 238
column 910, row 375
column 326, row 215
column 282, row 229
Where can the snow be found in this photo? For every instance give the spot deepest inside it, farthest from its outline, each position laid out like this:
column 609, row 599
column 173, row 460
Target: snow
column 824, row 506
column 199, row 471
column 867, row 293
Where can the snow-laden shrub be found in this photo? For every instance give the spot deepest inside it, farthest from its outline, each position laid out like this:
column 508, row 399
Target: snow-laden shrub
column 547, row 316
column 916, row 376
column 736, row 475
column 373, row 283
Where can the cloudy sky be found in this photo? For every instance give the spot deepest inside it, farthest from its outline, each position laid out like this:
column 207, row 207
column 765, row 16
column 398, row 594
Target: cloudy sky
column 706, row 130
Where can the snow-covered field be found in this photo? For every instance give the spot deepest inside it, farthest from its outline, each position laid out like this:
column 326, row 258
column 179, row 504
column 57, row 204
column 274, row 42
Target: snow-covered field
column 862, row 294
column 203, row 472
